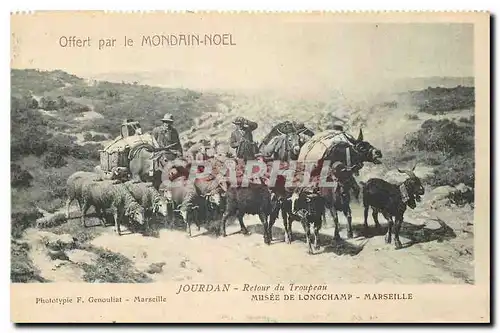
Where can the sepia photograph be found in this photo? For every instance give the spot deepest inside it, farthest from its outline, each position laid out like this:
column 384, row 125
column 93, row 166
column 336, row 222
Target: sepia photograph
column 275, row 157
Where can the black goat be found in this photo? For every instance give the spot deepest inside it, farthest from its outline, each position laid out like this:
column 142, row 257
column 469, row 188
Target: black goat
column 391, row 200
column 307, row 207
column 253, row 200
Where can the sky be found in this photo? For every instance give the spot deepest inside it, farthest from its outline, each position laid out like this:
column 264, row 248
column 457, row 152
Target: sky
column 293, row 52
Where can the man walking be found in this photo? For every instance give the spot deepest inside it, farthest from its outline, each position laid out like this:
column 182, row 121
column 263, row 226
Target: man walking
column 242, row 138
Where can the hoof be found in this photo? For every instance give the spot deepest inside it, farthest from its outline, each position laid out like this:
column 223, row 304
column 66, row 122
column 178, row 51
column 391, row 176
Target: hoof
column 397, row 244
column 337, row 237
column 317, row 247
column 350, row 234
column 245, row 232
column 388, row 239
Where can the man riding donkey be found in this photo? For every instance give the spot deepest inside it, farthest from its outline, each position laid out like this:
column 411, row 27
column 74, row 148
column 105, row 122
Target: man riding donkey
column 242, row 139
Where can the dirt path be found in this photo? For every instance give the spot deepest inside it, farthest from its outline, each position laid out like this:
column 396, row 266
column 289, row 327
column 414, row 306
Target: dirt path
column 364, row 259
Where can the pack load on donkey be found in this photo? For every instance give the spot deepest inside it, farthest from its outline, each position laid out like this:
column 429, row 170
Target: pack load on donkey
column 284, row 127
column 116, row 154
column 321, row 144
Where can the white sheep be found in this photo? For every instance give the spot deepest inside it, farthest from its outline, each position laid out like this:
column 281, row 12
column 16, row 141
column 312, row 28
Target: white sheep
column 106, row 195
column 149, row 198
column 74, row 187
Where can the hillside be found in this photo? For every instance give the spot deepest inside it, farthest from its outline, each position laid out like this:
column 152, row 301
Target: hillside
column 59, row 121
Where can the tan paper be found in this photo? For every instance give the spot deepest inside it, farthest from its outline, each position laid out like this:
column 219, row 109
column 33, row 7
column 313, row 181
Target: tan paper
column 76, row 76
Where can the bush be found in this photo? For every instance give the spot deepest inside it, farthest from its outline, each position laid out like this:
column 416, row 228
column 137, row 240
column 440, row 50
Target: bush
column 28, row 130
column 88, row 151
column 21, row 220
column 111, row 267
column 412, row 117
column 440, row 100
column 74, row 108
column 447, row 146
column 99, row 137
column 53, row 160
column 87, row 136
column 441, row 135
column 22, row 269
column 61, row 144
column 19, row 177
column 55, row 183
column 461, row 198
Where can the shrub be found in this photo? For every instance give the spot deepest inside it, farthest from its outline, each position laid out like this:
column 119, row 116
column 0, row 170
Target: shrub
column 88, row 151
column 22, row 269
column 53, row 160
column 99, row 137
column 441, row 135
column 447, row 146
column 19, row 177
column 461, row 198
column 55, row 183
column 28, row 130
column 21, row 220
column 87, row 136
column 61, row 144
column 440, row 100
column 111, row 267
column 74, row 108
column 33, row 104
column 455, row 170
column 412, row 117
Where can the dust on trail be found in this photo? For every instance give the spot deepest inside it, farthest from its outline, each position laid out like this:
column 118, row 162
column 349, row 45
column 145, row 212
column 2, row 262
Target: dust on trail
column 238, row 258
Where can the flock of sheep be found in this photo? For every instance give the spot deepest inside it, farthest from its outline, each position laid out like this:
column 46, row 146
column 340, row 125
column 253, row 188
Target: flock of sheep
column 132, row 202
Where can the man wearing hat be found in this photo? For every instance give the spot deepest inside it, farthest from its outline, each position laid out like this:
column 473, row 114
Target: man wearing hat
column 131, row 127
column 242, row 133
column 166, row 135
column 338, row 127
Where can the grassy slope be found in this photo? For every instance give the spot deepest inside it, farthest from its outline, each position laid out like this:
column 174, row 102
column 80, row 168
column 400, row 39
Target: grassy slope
column 37, row 134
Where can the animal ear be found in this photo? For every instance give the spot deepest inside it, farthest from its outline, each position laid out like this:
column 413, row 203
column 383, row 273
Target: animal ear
column 413, row 169
column 360, row 136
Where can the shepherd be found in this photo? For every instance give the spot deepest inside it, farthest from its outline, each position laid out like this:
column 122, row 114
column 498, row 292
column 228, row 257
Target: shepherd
column 242, row 138
column 166, row 136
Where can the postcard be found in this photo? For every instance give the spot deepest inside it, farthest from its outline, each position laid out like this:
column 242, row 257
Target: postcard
column 239, row 167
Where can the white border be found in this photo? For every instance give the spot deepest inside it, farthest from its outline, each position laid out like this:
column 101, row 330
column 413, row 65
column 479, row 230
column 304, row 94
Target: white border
column 253, row 5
